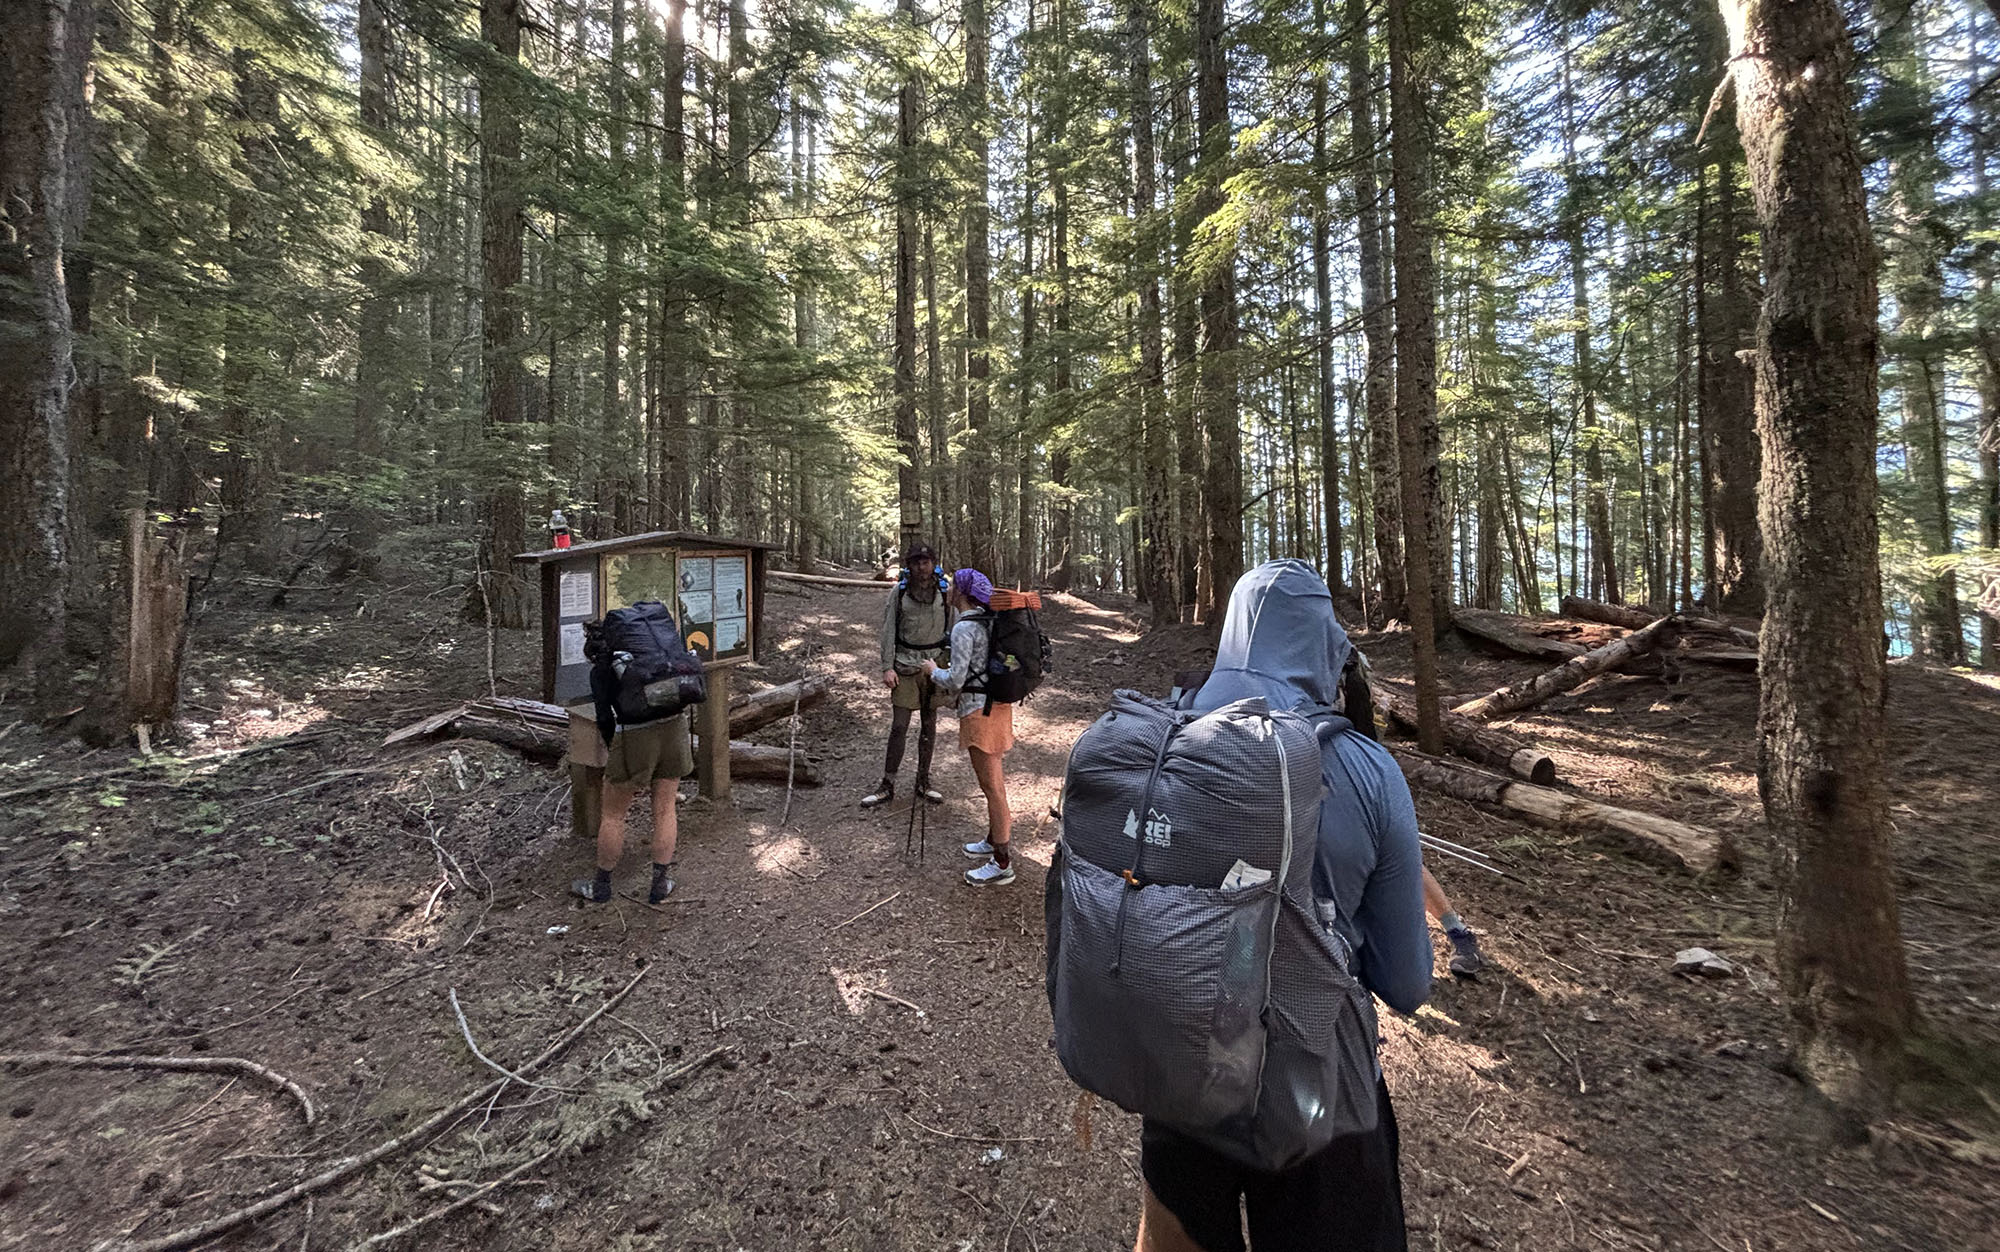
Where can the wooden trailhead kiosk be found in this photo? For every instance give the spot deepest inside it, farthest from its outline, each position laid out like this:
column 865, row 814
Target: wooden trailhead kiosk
column 713, row 585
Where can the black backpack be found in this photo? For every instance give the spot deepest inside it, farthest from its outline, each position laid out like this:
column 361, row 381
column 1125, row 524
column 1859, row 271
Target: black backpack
column 1017, row 656
column 656, row 674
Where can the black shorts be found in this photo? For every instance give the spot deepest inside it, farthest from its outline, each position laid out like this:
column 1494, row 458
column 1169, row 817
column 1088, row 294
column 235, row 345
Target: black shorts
column 1348, row 1198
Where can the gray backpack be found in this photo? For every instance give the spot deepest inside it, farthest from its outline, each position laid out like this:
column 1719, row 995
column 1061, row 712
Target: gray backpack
column 1193, row 976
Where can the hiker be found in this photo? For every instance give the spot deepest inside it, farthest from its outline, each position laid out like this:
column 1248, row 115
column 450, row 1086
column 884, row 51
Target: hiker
column 649, row 751
column 1282, row 642
column 985, row 728
column 1358, row 703
column 915, row 626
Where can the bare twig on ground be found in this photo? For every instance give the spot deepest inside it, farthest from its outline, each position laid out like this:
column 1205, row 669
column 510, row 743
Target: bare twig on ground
column 1009, row 1240
column 324, row 779
column 161, row 762
column 688, row 1067
column 391, row 986
column 189, row 1236
column 946, row 1134
column 315, row 985
column 865, row 912
column 792, row 754
column 182, row 1064
column 1575, row 1060
column 196, row 1116
column 883, row 995
column 479, row 573
column 488, row 1061
column 465, row 1201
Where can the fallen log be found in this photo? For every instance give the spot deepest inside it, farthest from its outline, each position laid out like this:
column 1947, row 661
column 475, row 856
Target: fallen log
column 1473, row 741
column 1730, row 658
column 1690, row 847
column 1494, row 629
column 1637, row 619
column 1611, row 614
column 758, row 709
column 757, row 762
column 754, row 762
column 827, row 580
column 1571, row 673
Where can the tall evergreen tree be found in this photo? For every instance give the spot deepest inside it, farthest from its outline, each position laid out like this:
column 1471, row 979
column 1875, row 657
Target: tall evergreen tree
column 1820, row 767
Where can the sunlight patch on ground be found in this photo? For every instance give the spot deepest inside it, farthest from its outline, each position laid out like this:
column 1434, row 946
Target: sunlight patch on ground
column 858, row 989
column 250, row 727
column 1424, row 1043
column 779, row 855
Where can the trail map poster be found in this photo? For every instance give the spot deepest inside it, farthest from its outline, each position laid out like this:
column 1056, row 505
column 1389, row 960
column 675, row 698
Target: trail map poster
column 696, row 609
column 630, row 577
column 732, row 606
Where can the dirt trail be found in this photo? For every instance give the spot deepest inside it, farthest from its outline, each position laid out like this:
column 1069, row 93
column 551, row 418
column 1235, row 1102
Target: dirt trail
column 271, row 907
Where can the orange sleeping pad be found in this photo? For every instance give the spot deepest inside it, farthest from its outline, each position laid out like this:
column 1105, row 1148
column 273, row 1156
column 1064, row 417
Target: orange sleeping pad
column 1004, row 599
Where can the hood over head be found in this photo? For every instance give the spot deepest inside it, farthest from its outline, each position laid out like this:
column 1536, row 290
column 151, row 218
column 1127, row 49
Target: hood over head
column 1280, row 640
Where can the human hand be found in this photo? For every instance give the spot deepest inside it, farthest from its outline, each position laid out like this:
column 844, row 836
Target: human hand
column 889, row 679
column 930, row 667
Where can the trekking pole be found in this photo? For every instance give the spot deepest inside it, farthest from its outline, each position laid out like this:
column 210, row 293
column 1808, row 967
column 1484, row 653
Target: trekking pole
column 1460, row 856
column 1446, row 845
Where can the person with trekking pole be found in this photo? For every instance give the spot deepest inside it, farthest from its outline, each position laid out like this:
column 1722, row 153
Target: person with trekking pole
column 915, row 626
column 1358, row 704
column 1282, row 644
column 985, row 717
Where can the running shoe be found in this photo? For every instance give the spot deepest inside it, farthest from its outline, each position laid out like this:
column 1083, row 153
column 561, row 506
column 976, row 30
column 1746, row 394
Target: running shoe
column 991, row 874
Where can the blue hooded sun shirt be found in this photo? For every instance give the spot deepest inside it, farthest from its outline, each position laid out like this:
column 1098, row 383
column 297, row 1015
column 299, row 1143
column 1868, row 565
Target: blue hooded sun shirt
column 1281, row 642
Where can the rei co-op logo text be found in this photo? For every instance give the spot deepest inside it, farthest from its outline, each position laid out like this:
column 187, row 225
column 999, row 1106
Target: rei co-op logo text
column 1159, row 827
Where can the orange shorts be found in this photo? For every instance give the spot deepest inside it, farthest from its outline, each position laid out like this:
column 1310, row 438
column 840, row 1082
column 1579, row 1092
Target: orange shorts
column 988, row 732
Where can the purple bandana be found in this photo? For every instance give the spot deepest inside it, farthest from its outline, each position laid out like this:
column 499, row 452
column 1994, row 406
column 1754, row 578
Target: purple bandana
column 973, row 585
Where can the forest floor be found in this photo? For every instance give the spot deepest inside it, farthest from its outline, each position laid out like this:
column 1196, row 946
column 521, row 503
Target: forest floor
column 289, row 906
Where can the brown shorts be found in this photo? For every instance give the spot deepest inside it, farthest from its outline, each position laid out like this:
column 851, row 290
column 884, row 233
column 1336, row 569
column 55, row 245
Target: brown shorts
column 650, row 752
column 910, row 692
column 992, row 733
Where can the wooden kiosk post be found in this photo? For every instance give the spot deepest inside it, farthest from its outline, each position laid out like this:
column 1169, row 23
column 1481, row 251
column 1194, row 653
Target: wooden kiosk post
column 715, row 589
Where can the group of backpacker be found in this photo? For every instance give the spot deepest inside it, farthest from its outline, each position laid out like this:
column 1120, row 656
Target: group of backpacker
column 992, row 658
column 1237, row 880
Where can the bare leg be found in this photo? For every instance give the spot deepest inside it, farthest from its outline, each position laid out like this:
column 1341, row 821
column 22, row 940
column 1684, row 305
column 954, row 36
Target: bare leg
column 1159, row 1229
column 666, row 819
column 986, row 767
column 1466, row 960
column 1435, row 901
column 611, row 826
